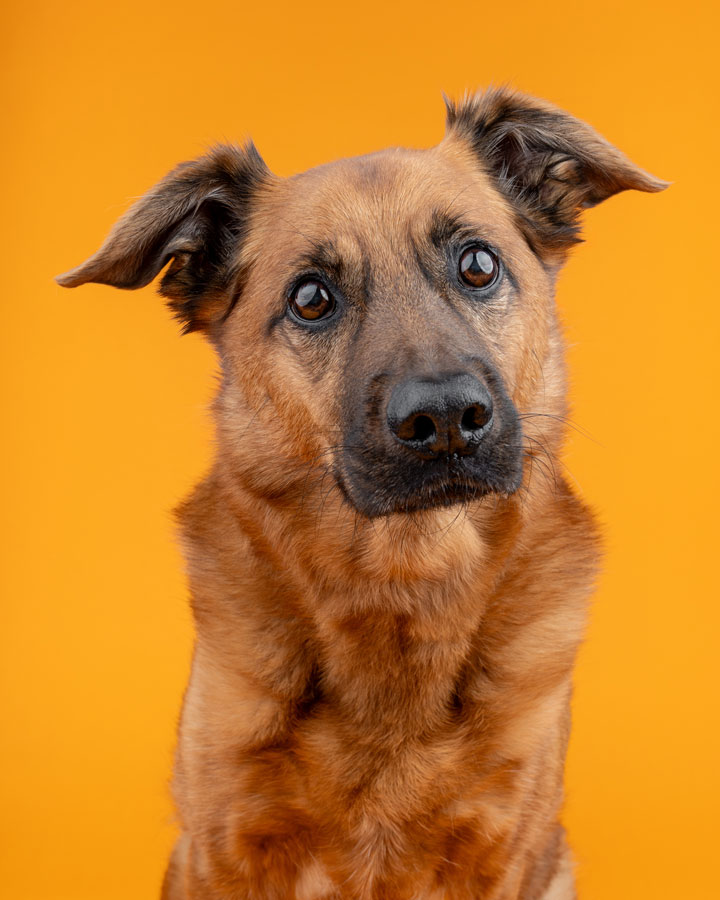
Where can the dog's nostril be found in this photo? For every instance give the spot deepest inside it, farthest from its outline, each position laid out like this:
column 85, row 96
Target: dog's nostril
column 423, row 428
column 475, row 417
column 440, row 415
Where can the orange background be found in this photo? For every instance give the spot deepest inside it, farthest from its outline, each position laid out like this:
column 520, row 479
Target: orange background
column 105, row 406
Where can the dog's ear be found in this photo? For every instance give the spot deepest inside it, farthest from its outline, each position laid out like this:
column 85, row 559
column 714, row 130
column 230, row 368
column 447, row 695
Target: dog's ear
column 547, row 163
column 196, row 216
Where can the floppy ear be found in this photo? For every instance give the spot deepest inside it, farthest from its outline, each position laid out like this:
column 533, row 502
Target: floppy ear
column 195, row 216
column 549, row 164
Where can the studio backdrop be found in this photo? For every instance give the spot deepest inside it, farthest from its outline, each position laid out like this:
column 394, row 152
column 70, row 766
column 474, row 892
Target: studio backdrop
column 105, row 404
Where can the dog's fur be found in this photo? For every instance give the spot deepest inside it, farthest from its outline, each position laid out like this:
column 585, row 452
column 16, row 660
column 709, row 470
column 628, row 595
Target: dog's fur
column 379, row 699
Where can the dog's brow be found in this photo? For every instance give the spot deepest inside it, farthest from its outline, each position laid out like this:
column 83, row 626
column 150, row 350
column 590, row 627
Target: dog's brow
column 444, row 226
column 355, row 273
column 323, row 255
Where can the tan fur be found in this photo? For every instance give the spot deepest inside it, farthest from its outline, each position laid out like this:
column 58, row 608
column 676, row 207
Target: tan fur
column 378, row 708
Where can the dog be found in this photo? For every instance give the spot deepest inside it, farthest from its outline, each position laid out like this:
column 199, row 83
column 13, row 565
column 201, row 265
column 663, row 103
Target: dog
column 389, row 573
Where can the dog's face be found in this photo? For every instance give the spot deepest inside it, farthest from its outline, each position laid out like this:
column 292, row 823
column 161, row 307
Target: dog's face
column 394, row 304
column 388, row 319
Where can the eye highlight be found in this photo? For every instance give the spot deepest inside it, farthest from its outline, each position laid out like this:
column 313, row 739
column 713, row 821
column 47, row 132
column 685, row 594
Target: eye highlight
column 311, row 301
column 478, row 267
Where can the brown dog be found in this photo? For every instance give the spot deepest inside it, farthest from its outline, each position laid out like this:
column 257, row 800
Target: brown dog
column 389, row 574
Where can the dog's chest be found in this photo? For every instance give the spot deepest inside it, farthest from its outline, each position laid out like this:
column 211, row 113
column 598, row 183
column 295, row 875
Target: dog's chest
column 399, row 818
column 391, row 765
column 408, row 755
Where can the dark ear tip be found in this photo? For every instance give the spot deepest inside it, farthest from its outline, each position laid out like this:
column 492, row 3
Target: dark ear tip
column 650, row 184
column 659, row 185
column 69, row 279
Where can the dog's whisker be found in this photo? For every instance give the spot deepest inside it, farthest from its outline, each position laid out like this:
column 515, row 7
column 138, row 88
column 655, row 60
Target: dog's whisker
column 564, row 419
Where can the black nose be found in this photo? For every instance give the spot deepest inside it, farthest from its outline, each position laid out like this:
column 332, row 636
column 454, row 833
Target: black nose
column 445, row 416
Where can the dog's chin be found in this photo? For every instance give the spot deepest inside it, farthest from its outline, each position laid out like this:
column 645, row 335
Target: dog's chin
column 435, row 495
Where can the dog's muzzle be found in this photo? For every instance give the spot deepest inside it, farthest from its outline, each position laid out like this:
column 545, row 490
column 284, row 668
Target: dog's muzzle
column 431, row 440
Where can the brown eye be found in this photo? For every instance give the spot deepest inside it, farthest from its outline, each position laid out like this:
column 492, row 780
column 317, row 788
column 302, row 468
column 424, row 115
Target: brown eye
column 478, row 267
column 311, row 300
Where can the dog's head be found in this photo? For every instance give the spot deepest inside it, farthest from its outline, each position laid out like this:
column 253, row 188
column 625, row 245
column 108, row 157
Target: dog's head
column 387, row 318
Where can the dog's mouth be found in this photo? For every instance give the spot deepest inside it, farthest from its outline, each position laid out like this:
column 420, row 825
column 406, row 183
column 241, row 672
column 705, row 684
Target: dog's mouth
column 386, row 489
column 441, row 494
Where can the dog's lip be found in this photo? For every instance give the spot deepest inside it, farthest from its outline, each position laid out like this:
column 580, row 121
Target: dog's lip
column 448, row 490
column 440, row 495
column 385, row 484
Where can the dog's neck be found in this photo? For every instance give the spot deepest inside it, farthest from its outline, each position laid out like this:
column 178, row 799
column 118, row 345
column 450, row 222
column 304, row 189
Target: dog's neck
column 390, row 640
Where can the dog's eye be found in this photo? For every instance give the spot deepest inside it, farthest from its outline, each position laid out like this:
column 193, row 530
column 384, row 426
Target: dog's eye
column 478, row 267
column 311, row 300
